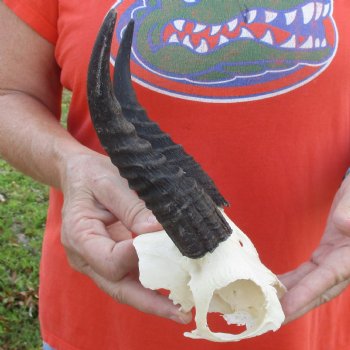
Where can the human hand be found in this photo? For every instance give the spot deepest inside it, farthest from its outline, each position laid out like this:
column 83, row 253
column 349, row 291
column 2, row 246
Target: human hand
column 99, row 214
column 327, row 273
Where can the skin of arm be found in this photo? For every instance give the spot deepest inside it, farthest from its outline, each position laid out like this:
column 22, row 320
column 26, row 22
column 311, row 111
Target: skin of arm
column 100, row 210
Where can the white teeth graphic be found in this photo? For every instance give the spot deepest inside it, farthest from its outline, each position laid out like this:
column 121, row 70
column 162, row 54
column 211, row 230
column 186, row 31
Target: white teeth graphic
column 174, row 39
column 326, row 10
column 203, row 47
column 223, row 40
column 270, row 16
column 179, row 24
column 251, row 16
column 199, row 27
column 214, row 30
column 267, row 38
column 187, row 41
column 245, row 33
column 290, row 17
column 308, row 44
column 232, row 25
column 290, row 43
column 308, row 12
column 319, row 8
column 313, row 10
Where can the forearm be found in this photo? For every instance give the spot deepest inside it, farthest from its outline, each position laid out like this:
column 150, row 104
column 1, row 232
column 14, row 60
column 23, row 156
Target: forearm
column 32, row 139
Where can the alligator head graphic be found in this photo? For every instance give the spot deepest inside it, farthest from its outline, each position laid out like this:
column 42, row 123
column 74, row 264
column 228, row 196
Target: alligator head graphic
column 232, row 43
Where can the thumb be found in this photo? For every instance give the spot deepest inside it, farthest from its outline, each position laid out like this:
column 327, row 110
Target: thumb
column 139, row 219
column 341, row 213
column 115, row 195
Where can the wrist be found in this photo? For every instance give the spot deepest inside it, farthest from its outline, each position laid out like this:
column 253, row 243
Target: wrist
column 70, row 155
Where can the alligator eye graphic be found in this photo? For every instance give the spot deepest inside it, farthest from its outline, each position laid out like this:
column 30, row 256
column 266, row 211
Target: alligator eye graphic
column 229, row 51
column 191, row 1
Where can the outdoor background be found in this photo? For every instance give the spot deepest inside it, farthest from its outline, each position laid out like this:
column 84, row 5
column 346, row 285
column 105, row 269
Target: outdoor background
column 23, row 205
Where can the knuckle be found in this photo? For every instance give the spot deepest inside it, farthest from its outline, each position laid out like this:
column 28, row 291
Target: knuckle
column 132, row 212
column 72, row 263
column 64, row 240
column 120, row 295
column 67, row 234
column 101, row 181
column 325, row 298
column 64, row 236
column 76, row 263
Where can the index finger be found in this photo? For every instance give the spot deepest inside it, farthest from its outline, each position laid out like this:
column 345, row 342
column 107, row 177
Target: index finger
column 310, row 288
column 112, row 260
column 325, row 297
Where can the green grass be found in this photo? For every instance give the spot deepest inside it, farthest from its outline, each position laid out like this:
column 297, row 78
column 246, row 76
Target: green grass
column 23, row 211
column 23, row 206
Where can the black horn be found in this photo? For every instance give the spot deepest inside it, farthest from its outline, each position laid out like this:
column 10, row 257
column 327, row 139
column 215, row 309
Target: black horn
column 187, row 213
column 149, row 130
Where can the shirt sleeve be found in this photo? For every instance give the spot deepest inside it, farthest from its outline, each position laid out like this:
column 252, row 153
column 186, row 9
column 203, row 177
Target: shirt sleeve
column 40, row 15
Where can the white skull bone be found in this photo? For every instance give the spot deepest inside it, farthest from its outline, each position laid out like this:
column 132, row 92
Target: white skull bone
column 231, row 280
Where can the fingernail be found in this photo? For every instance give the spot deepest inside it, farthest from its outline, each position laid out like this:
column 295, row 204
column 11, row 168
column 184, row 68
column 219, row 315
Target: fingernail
column 186, row 318
column 178, row 319
column 182, row 318
column 152, row 219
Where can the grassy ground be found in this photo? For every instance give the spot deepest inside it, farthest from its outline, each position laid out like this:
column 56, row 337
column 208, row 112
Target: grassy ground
column 23, row 205
column 22, row 209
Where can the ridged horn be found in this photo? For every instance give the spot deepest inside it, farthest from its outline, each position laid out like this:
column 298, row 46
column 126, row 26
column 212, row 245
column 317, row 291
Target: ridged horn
column 187, row 213
column 149, row 130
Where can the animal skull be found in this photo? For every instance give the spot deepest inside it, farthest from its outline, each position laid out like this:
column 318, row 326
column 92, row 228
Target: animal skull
column 231, row 280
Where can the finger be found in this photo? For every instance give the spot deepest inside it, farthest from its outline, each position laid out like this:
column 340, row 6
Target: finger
column 341, row 214
column 81, row 203
column 115, row 194
column 103, row 214
column 111, row 259
column 141, row 220
column 118, row 232
column 107, row 262
column 291, row 278
column 309, row 288
column 129, row 291
column 75, row 261
column 324, row 298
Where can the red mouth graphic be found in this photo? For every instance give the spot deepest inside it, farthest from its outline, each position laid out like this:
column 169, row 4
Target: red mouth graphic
column 204, row 39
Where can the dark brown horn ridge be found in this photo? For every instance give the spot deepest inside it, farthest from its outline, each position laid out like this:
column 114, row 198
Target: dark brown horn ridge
column 149, row 130
column 187, row 213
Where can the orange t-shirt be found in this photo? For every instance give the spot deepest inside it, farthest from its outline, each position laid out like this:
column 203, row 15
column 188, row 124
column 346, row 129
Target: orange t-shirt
column 260, row 95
